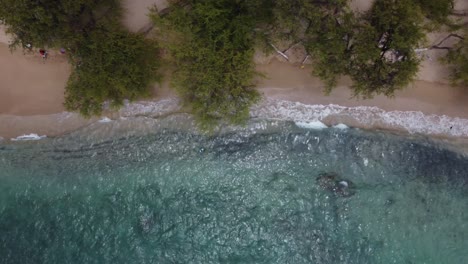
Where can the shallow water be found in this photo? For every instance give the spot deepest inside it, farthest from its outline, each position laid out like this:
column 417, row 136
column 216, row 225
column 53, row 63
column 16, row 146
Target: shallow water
column 107, row 195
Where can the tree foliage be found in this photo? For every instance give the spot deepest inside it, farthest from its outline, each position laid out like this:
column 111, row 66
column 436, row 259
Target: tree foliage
column 110, row 66
column 383, row 58
column 52, row 23
column 214, row 71
column 375, row 49
column 457, row 58
column 210, row 46
column 328, row 39
column 437, row 12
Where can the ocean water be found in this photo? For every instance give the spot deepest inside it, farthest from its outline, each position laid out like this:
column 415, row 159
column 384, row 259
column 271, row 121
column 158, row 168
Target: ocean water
column 143, row 190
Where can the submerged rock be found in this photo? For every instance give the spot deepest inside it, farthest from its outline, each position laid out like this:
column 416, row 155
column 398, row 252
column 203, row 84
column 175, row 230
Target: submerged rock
column 332, row 182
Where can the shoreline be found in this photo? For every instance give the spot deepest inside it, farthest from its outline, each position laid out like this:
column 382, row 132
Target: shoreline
column 303, row 115
column 35, row 105
column 32, row 93
column 284, row 82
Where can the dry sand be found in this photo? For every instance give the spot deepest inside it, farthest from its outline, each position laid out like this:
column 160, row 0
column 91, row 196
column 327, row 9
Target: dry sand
column 30, row 91
column 30, row 87
column 289, row 82
column 136, row 12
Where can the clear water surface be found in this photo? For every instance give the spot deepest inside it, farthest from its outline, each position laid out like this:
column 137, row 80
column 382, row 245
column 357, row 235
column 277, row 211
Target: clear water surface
column 253, row 195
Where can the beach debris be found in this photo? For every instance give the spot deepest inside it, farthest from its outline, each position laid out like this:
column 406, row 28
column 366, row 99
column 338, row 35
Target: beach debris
column 420, row 50
column 279, row 52
column 438, row 44
column 331, row 182
column 304, row 60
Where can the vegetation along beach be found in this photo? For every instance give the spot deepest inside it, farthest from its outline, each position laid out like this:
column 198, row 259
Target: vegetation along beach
column 233, row 131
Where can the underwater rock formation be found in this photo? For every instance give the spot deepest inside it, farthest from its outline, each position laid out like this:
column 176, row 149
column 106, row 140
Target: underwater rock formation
column 332, row 182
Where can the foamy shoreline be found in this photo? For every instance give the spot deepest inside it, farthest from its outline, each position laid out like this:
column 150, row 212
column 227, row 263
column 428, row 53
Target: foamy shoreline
column 31, row 94
column 408, row 123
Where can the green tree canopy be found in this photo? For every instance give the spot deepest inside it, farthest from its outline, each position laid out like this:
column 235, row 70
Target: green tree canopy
column 457, row 58
column 213, row 58
column 110, row 66
column 375, row 49
column 329, row 39
column 437, row 12
column 52, row 23
column 383, row 58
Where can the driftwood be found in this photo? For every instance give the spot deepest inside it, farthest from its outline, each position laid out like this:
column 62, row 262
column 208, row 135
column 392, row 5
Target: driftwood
column 437, row 45
column 279, row 52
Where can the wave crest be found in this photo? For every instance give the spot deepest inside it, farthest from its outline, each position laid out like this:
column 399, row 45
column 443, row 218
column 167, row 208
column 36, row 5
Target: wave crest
column 362, row 116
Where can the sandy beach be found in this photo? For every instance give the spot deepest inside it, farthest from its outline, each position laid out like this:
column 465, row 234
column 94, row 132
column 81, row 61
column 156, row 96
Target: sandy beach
column 31, row 92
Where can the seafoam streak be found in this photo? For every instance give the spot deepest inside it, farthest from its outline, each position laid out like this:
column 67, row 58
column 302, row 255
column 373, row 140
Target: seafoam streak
column 410, row 121
column 28, row 137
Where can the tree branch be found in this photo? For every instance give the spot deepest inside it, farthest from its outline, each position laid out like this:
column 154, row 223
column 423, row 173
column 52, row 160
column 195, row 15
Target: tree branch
column 305, row 59
column 293, row 45
column 437, row 46
column 279, row 52
column 441, row 48
column 459, row 13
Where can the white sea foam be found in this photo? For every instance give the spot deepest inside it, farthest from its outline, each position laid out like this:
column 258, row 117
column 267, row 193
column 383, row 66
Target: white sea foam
column 341, row 126
column 366, row 161
column 314, row 116
column 150, row 107
column 28, row 137
column 307, row 116
column 105, row 120
column 411, row 121
column 317, row 125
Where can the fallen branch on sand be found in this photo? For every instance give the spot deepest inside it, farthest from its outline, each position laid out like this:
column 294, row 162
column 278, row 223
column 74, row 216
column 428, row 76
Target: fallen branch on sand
column 305, row 59
column 437, row 46
column 279, row 52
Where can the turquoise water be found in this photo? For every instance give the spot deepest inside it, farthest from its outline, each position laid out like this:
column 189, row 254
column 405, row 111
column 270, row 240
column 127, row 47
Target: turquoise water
column 243, row 196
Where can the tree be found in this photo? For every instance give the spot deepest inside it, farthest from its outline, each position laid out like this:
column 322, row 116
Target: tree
column 457, row 58
column 324, row 28
column 329, row 40
column 110, row 66
column 51, row 23
column 383, row 59
column 375, row 49
column 212, row 49
column 437, row 12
